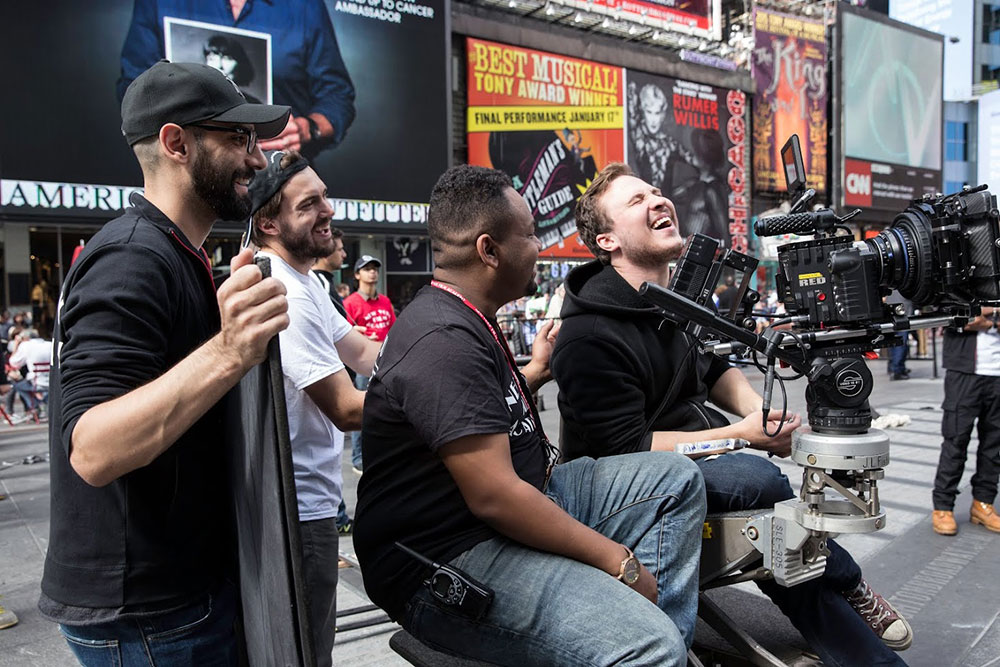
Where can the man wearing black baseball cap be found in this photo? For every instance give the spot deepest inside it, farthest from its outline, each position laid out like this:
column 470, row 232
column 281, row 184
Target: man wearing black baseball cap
column 376, row 314
column 139, row 558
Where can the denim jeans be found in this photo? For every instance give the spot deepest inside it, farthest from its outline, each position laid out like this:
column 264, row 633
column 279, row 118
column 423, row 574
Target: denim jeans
column 198, row 634
column 898, row 355
column 816, row 608
column 343, row 518
column 361, row 382
column 319, row 560
column 551, row 610
column 25, row 389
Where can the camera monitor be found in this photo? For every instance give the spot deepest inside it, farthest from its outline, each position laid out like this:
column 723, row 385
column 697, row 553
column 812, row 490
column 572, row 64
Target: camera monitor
column 791, row 158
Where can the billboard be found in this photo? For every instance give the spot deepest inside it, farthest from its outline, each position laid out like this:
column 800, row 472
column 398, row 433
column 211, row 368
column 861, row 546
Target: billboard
column 953, row 19
column 989, row 141
column 892, row 111
column 550, row 122
column 789, row 66
column 374, row 121
column 695, row 17
column 690, row 140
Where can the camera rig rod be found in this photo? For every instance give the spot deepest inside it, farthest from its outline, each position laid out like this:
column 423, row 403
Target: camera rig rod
column 825, row 335
column 681, row 310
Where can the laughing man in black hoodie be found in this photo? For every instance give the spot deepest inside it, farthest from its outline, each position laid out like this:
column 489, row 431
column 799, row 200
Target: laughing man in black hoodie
column 616, row 360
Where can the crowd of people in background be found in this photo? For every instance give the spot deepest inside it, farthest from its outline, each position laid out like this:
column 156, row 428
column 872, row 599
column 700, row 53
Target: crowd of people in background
column 26, row 358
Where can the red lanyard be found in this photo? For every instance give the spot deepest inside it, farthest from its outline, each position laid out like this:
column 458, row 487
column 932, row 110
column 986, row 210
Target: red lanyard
column 496, row 337
column 551, row 453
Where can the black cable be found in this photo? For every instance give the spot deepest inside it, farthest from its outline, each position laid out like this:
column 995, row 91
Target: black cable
column 784, row 410
column 802, row 349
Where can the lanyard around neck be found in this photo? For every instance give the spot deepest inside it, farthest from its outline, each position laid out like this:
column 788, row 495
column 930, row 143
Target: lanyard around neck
column 496, row 336
column 552, row 454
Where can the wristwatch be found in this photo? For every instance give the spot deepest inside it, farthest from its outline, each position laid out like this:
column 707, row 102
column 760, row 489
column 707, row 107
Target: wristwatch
column 628, row 572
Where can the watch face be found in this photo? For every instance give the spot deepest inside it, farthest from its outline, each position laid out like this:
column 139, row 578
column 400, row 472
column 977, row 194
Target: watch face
column 631, row 572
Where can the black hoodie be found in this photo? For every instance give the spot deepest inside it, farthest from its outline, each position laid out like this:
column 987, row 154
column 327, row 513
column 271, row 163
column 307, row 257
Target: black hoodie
column 614, row 361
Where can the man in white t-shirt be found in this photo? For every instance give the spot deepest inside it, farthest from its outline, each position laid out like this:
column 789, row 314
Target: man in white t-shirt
column 291, row 225
column 35, row 354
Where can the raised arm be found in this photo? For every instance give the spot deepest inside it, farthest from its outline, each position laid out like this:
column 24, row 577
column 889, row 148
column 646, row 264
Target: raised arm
column 117, row 436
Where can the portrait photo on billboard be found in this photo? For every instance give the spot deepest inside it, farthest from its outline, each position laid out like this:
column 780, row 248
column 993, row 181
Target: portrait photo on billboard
column 367, row 87
column 242, row 55
column 373, row 121
column 685, row 139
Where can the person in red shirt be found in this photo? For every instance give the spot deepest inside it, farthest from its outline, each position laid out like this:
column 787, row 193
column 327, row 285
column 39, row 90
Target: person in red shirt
column 367, row 307
column 375, row 313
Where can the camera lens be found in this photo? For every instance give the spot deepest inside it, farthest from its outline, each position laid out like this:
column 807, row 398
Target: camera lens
column 904, row 251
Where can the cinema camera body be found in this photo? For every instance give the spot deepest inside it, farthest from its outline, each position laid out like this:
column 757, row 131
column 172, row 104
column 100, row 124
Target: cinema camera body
column 942, row 252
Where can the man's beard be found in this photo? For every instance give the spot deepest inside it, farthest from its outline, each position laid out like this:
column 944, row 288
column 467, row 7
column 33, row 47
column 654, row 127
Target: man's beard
column 303, row 247
column 652, row 257
column 214, row 187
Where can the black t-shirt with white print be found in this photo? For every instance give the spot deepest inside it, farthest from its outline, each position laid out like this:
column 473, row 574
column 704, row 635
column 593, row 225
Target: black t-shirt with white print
column 440, row 376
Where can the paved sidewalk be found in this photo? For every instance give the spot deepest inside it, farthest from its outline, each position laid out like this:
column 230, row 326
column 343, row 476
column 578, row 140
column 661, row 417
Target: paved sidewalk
column 946, row 585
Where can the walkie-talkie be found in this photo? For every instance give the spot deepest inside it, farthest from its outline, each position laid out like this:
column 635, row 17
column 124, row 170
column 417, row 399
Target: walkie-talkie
column 453, row 588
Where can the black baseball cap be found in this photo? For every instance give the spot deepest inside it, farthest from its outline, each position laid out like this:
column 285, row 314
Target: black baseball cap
column 365, row 260
column 271, row 178
column 184, row 93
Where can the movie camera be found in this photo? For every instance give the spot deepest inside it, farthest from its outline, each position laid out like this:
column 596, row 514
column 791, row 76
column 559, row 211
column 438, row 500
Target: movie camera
column 942, row 252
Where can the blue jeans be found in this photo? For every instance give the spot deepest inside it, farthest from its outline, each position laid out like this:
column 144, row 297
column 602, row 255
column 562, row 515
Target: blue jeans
column 816, row 608
column 361, row 382
column 898, row 355
column 343, row 518
column 26, row 391
column 198, row 634
column 553, row 610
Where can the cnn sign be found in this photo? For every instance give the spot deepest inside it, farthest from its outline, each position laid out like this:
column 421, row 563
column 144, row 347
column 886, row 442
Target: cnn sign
column 857, row 183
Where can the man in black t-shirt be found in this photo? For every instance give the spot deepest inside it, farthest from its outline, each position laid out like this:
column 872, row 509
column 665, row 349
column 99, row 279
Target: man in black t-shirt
column 458, row 469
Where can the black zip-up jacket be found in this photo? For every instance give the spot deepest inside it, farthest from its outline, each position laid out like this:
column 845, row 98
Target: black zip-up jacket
column 614, row 361
column 138, row 299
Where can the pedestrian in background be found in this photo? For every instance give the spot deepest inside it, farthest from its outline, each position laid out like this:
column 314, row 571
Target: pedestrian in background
column 900, row 353
column 375, row 313
column 971, row 398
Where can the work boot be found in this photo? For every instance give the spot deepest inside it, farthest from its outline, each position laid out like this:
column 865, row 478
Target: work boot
column 944, row 522
column 983, row 514
column 881, row 617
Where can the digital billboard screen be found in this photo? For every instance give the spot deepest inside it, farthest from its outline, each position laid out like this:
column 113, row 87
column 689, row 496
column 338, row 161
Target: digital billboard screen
column 369, row 80
column 891, row 111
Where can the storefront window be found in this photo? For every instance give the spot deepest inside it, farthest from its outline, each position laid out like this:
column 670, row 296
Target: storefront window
column 45, row 265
